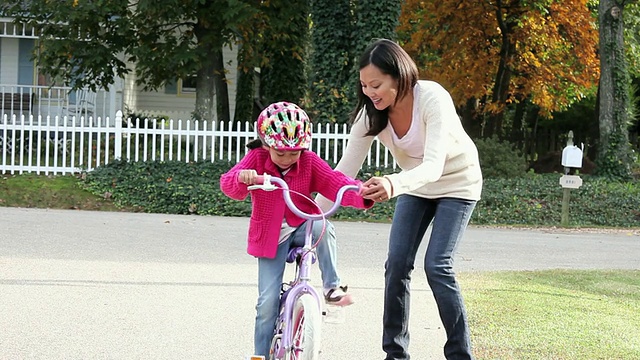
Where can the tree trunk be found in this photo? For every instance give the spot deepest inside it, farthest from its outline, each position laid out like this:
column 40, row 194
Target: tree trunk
column 516, row 135
column 204, row 92
column 211, row 75
column 614, row 154
column 220, row 82
column 245, row 88
column 502, row 79
column 469, row 117
column 531, row 139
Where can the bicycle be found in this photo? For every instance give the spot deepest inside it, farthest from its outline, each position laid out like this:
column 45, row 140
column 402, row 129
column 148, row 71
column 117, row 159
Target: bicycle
column 297, row 333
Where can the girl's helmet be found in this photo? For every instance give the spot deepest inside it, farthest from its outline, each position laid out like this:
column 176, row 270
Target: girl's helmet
column 285, row 126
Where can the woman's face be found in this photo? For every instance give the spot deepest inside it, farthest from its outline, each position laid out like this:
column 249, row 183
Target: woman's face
column 380, row 88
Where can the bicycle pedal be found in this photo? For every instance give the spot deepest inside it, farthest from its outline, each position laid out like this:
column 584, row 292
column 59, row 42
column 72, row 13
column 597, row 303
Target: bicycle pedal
column 334, row 314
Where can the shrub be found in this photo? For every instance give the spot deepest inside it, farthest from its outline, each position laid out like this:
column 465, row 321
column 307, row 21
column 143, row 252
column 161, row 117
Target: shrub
column 499, row 159
column 536, row 199
column 173, row 187
column 533, row 199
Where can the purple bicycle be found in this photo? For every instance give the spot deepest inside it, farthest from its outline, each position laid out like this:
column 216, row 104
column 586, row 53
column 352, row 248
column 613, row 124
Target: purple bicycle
column 298, row 326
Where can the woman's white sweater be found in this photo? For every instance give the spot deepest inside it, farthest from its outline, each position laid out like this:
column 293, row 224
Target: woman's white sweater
column 437, row 157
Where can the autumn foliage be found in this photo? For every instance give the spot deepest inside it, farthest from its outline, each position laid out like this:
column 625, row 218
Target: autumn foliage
column 500, row 52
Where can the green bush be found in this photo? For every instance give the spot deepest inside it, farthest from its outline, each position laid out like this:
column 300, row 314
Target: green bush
column 499, row 159
column 536, row 199
column 533, row 200
column 172, row 187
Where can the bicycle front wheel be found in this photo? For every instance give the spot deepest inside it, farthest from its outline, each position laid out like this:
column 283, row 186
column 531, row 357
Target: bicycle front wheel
column 306, row 329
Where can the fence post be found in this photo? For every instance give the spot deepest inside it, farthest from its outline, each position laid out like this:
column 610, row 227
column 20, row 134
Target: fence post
column 117, row 151
column 112, row 101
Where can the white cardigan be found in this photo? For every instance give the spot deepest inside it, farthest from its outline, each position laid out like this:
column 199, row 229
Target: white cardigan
column 449, row 165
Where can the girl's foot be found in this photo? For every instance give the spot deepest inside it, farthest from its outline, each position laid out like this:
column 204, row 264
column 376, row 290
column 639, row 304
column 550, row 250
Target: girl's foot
column 338, row 296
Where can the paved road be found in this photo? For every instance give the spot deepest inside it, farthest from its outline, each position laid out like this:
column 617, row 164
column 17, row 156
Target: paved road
column 98, row 285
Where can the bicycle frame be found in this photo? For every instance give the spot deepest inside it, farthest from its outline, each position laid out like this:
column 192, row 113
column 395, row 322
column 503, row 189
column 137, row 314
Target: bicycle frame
column 300, row 286
column 301, row 283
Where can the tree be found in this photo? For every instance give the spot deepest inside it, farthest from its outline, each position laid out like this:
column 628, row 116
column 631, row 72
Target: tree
column 632, row 49
column 494, row 54
column 93, row 42
column 340, row 32
column 331, row 60
column 284, row 51
column 614, row 153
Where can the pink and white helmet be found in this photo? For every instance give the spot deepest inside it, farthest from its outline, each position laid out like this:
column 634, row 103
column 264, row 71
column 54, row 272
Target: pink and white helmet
column 285, row 126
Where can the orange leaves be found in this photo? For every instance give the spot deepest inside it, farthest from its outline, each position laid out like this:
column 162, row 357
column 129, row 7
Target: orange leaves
column 548, row 49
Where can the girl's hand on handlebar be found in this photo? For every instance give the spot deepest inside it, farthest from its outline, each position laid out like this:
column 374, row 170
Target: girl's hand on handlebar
column 377, row 189
column 248, row 177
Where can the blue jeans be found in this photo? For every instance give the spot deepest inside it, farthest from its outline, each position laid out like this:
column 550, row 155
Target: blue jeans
column 270, row 272
column 412, row 217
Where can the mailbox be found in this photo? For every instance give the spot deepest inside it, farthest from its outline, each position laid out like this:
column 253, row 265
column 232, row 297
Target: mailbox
column 572, row 156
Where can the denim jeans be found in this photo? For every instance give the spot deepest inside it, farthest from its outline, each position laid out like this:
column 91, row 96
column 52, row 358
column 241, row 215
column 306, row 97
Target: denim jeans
column 270, row 272
column 412, row 217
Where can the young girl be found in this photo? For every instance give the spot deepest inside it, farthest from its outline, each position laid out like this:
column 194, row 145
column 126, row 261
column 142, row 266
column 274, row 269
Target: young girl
column 284, row 132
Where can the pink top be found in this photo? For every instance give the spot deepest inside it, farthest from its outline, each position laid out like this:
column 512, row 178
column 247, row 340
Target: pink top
column 309, row 175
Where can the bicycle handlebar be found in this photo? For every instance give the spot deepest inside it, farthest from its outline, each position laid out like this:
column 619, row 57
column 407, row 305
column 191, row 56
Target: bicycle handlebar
column 266, row 182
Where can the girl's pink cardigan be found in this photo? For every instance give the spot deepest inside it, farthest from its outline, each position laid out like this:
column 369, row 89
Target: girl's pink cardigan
column 309, row 175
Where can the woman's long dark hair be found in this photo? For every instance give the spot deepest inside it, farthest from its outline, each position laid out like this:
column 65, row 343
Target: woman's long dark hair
column 390, row 59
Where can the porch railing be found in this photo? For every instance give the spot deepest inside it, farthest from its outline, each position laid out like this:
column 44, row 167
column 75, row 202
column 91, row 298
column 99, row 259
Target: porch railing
column 51, row 101
column 63, row 145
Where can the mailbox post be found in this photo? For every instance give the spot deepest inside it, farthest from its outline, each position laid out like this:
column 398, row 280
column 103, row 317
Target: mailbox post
column 571, row 158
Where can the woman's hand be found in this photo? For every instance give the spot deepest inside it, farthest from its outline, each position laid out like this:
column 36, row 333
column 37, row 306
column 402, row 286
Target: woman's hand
column 377, row 189
column 248, row 176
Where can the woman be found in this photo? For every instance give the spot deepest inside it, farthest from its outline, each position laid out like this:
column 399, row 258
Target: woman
column 439, row 185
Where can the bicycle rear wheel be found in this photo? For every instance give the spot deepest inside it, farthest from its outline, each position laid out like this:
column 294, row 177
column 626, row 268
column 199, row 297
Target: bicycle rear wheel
column 306, row 329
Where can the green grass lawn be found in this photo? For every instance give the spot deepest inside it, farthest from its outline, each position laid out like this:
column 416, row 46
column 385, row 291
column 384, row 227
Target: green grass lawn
column 56, row 192
column 554, row 314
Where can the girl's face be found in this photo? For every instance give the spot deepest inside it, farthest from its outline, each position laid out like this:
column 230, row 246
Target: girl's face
column 284, row 159
column 380, row 88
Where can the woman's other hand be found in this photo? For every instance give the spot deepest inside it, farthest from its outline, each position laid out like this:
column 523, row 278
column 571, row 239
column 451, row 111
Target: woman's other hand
column 377, row 189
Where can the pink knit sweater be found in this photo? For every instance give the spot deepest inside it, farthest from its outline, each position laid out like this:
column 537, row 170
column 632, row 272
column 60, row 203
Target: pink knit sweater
column 309, row 175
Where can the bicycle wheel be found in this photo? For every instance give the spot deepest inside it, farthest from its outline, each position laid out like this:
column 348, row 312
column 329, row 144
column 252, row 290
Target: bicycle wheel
column 306, row 329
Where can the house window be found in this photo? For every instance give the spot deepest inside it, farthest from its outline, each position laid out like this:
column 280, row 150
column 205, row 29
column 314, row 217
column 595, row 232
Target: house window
column 188, row 85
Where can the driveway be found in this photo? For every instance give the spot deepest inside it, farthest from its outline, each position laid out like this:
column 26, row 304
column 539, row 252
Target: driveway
column 101, row 285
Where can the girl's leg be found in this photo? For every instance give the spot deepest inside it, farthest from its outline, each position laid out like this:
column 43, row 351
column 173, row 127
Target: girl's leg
column 270, row 272
column 451, row 219
column 410, row 221
column 326, row 250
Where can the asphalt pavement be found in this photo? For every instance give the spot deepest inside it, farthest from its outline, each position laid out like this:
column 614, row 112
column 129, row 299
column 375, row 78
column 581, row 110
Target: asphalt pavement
column 108, row 285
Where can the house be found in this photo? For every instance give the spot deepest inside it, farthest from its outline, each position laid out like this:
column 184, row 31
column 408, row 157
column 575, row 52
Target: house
column 25, row 90
column 176, row 100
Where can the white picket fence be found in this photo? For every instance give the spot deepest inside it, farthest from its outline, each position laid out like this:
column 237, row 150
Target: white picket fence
column 64, row 145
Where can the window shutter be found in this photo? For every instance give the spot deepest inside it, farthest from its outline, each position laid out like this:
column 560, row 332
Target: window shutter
column 171, row 87
column 25, row 64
